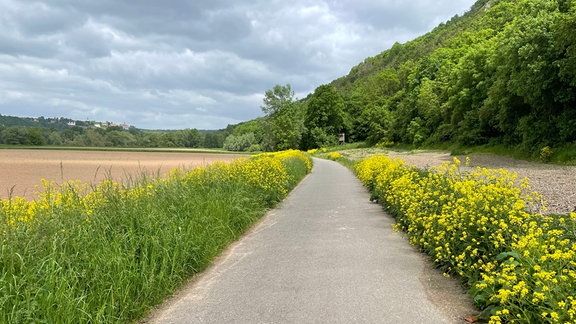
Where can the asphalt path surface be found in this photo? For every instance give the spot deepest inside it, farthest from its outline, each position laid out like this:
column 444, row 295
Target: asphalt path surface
column 325, row 255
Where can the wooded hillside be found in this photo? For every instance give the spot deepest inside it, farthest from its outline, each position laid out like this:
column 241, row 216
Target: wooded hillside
column 503, row 73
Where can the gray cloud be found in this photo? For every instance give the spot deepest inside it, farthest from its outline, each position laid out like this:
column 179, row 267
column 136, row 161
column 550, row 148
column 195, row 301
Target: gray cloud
column 182, row 63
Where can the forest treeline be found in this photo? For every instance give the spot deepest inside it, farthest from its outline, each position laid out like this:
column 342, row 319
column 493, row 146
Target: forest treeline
column 504, row 73
column 67, row 132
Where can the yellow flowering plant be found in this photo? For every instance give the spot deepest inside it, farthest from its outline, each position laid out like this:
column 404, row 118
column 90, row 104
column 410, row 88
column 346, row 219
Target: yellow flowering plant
column 335, row 156
column 108, row 252
column 486, row 227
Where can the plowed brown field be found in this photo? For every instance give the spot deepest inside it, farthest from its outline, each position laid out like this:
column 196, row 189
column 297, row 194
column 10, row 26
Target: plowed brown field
column 21, row 171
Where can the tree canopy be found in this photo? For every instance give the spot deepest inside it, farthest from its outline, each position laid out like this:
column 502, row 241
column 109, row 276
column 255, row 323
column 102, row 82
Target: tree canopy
column 503, row 73
column 325, row 117
column 283, row 121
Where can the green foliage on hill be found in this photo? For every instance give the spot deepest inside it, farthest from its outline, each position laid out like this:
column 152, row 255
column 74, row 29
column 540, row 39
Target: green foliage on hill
column 325, row 118
column 283, row 124
column 67, row 132
column 502, row 74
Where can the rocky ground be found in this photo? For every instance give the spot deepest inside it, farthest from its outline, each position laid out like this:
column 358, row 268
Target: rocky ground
column 556, row 183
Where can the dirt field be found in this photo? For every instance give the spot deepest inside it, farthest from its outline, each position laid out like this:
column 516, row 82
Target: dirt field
column 22, row 170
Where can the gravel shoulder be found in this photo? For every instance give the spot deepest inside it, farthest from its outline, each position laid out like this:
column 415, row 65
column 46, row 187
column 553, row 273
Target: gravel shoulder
column 556, row 183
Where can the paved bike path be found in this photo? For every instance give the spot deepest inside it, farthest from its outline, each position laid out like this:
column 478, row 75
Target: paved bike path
column 325, row 255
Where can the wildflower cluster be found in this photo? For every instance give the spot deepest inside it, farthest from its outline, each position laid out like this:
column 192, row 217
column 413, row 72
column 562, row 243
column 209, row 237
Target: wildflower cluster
column 385, row 144
column 485, row 227
column 273, row 173
column 108, row 252
column 335, row 156
column 317, row 150
column 546, row 153
column 289, row 156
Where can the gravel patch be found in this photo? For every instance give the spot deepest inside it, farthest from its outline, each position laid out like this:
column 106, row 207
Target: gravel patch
column 556, row 183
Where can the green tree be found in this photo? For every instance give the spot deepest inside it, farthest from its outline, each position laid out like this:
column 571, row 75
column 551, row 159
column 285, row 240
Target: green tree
column 120, row 139
column 252, row 126
column 94, row 138
column 283, row 124
column 148, row 139
column 379, row 123
column 214, row 140
column 55, row 138
column 533, row 97
column 69, row 135
column 240, row 143
column 35, row 136
column 278, row 100
column 14, row 135
column 190, row 138
column 429, row 110
column 325, row 117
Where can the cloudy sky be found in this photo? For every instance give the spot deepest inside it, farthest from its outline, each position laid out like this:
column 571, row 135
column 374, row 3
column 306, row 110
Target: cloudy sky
column 176, row 64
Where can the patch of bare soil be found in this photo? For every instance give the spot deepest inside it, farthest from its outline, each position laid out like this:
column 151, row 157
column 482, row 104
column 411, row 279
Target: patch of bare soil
column 21, row 171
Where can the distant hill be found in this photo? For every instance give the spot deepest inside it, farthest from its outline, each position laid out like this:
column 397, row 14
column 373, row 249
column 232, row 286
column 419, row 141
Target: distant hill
column 59, row 123
column 40, row 131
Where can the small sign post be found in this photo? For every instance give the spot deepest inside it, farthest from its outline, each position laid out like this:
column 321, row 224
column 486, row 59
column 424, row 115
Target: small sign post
column 341, row 138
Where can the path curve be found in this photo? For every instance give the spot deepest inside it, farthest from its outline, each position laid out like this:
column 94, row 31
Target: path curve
column 325, row 255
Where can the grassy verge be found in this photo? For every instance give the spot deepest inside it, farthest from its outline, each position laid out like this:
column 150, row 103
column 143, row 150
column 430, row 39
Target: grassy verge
column 563, row 155
column 111, row 252
column 335, row 154
column 484, row 227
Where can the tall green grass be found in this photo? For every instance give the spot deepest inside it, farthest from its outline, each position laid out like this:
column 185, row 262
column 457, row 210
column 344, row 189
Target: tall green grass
column 110, row 253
